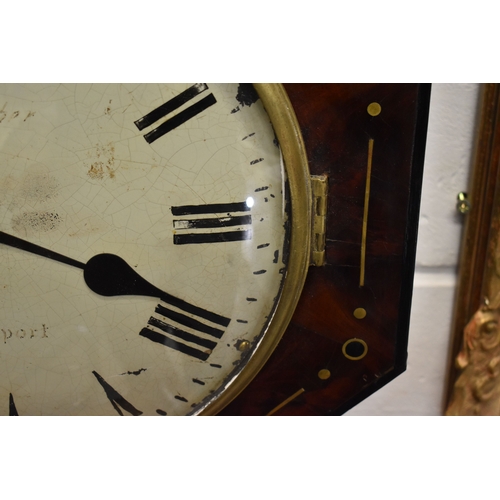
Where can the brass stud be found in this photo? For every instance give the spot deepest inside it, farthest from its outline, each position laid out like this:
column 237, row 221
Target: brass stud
column 243, row 345
column 324, row 374
column 374, row 109
column 359, row 313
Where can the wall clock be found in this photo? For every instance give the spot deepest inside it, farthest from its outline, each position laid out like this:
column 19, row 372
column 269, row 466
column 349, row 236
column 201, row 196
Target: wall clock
column 156, row 240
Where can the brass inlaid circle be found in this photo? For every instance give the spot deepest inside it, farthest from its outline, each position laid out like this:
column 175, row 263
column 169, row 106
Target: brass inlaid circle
column 359, row 313
column 354, row 349
column 324, row 374
column 374, row 109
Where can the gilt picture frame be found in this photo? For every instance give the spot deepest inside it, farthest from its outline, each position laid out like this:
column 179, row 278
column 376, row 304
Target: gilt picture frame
column 473, row 382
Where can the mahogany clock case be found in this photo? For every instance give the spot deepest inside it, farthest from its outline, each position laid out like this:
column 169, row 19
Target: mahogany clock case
column 349, row 334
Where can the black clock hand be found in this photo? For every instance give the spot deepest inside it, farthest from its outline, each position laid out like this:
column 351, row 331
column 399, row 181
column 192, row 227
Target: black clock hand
column 13, row 241
column 105, row 274
column 109, row 275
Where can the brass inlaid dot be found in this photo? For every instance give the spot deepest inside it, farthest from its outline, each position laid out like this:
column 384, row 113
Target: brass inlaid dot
column 354, row 349
column 359, row 313
column 374, row 109
column 324, row 374
column 243, row 345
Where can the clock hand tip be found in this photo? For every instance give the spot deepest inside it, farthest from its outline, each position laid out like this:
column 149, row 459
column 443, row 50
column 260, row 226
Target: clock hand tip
column 27, row 246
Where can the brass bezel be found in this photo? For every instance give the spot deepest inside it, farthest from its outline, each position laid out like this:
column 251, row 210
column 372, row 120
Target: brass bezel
column 287, row 129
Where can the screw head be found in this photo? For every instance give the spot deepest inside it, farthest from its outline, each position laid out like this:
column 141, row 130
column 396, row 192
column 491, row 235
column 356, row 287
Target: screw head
column 463, row 205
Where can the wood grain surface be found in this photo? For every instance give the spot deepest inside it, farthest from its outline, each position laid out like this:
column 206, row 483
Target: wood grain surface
column 310, row 363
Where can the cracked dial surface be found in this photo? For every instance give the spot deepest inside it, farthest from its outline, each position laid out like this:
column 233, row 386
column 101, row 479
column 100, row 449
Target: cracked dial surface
column 186, row 184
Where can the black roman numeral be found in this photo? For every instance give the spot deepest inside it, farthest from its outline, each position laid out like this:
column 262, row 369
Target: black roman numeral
column 116, row 399
column 230, row 227
column 170, row 106
column 185, row 333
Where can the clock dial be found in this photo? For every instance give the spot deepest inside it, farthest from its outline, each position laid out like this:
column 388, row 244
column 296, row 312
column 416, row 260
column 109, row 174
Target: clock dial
column 144, row 239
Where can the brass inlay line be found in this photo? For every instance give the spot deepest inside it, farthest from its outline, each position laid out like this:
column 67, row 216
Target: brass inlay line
column 287, row 400
column 365, row 213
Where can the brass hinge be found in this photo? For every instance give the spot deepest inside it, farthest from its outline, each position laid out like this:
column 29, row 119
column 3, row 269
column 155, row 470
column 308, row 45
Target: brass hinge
column 319, row 185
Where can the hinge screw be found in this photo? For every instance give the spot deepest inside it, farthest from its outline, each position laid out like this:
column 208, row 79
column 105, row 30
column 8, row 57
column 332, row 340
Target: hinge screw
column 463, row 204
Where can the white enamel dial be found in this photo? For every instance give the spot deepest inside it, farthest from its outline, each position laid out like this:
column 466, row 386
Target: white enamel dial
column 183, row 186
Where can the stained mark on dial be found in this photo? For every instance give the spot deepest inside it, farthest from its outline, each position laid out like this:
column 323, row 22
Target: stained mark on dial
column 263, row 188
column 247, row 136
column 12, row 407
column 36, row 221
column 194, row 230
column 258, row 160
column 264, row 245
column 276, row 256
column 116, row 399
column 172, row 105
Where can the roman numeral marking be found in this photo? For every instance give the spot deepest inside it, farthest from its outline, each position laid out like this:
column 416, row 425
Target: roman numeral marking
column 195, row 310
column 185, row 333
column 212, row 223
column 170, row 106
column 116, row 399
column 194, row 230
